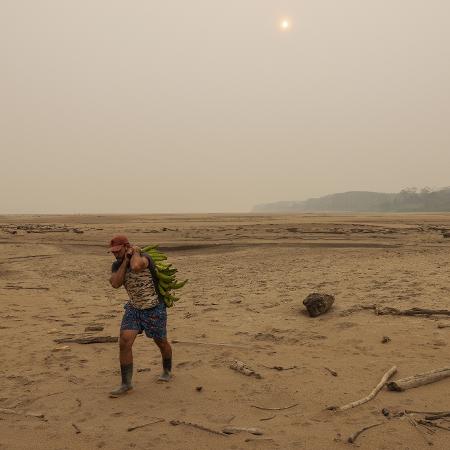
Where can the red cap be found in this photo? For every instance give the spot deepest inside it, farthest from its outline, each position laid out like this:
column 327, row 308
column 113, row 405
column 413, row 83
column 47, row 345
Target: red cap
column 117, row 242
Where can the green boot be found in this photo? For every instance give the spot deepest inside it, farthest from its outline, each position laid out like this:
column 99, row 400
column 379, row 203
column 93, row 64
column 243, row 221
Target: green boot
column 127, row 375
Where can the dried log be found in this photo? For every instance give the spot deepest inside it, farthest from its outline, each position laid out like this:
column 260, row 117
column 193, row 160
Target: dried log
column 378, row 388
column 432, row 424
column 241, row 367
column 419, row 379
column 275, row 409
column 233, row 430
column 94, row 328
column 196, row 425
column 88, row 340
column 354, row 436
column 144, row 425
column 410, row 411
column 381, row 311
column 438, row 416
column 279, row 368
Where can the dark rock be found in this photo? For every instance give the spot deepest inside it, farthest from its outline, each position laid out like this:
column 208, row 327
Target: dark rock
column 318, row 304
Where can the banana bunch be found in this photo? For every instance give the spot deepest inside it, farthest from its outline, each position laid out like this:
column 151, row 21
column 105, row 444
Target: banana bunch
column 166, row 274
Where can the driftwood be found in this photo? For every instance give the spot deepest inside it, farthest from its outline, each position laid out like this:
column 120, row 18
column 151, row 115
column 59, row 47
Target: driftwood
column 419, row 379
column 94, row 328
column 415, row 424
column 410, row 411
column 377, row 389
column 381, row 311
column 432, row 424
column 438, row 416
column 198, row 426
column 234, row 430
column 144, row 425
column 331, row 371
column 88, row 340
column 268, row 418
column 275, row 409
column 279, row 368
column 354, row 436
column 241, row 367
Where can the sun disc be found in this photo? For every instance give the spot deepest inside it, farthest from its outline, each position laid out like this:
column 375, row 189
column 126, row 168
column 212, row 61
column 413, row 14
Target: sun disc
column 285, row 25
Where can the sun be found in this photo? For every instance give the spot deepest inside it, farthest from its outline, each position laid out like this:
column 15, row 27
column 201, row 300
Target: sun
column 285, row 24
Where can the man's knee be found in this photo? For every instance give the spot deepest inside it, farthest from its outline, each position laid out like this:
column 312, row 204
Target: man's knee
column 162, row 343
column 126, row 341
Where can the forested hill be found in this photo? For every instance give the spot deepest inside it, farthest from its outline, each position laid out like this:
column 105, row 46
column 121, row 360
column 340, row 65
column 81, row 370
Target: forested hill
column 407, row 200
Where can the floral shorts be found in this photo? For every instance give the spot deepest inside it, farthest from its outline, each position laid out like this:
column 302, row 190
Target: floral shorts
column 153, row 320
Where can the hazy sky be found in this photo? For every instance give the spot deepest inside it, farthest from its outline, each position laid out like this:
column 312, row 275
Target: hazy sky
column 206, row 105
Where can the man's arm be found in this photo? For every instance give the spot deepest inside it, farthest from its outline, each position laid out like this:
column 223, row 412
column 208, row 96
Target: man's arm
column 138, row 263
column 118, row 277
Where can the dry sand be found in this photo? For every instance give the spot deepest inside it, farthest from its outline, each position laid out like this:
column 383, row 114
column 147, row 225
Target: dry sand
column 248, row 278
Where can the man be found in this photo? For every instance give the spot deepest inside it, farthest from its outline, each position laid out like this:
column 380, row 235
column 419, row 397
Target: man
column 144, row 311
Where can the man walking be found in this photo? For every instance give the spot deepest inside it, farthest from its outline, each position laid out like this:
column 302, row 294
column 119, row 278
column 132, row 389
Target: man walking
column 144, row 311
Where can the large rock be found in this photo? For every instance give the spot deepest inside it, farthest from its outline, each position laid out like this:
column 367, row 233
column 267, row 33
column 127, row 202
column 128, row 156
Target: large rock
column 318, row 304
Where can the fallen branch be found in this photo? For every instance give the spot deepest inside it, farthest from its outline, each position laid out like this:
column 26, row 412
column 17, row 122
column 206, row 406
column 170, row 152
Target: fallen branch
column 381, row 311
column 275, row 409
column 413, row 423
column 88, row 340
column 241, row 367
column 438, row 416
column 354, row 436
column 234, row 430
column 196, row 425
column 331, row 371
column 432, row 424
column 378, row 388
column 216, row 344
column 279, row 368
column 410, row 411
column 419, row 379
column 144, row 425
column 268, row 418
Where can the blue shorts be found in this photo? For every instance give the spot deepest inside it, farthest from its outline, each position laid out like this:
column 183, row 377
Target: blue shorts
column 153, row 320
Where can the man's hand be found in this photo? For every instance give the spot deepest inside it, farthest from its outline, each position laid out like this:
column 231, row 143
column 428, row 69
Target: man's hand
column 138, row 262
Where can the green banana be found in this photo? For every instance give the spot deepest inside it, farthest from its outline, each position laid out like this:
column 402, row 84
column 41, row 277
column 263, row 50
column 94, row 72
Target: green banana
column 165, row 273
column 163, row 277
column 177, row 285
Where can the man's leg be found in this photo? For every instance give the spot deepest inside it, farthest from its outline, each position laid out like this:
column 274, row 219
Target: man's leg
column 126, row 341
column 166, row 354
